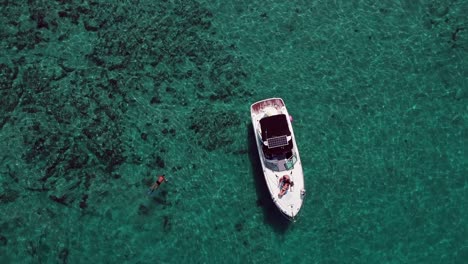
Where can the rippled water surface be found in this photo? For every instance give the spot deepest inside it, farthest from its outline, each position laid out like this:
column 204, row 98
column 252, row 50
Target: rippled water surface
column 97, row 98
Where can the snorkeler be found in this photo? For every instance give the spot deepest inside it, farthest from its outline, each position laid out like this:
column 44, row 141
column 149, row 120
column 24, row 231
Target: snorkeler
column 160, row 180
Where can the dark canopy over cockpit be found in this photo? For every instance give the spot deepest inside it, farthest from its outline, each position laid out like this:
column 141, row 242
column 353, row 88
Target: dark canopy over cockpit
column 275, row 126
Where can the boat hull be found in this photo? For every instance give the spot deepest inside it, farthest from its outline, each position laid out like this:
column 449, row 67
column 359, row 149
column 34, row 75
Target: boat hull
column 275, row 168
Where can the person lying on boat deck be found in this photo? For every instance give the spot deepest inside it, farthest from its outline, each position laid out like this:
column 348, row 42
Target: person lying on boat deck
column 161, row 179
column 286, row 183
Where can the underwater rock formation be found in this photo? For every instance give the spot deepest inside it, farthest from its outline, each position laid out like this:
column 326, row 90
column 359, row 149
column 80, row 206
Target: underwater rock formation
column 213, row 128
column 80, row 112
column 70, row 78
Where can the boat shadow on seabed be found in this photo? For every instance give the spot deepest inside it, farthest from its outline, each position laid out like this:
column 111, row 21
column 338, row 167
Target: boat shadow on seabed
column 272, row 215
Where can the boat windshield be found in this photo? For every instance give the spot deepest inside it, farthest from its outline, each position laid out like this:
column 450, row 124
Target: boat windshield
column 281, row 164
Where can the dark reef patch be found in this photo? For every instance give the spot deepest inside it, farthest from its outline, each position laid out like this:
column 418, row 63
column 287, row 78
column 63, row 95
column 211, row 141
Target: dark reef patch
column 214, row 127
column 143, row 210
column 7, row 76
column 239, row 226
column 3, row 240
column 72, row 109
column 166, row 223
column 9, row 97
column 63, row 255
column 9, row 196
column 61, row 200
column 76, row 132
column 84, row 202
column 160, row 162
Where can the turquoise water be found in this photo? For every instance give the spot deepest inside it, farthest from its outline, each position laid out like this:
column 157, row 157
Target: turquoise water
column 98, row 98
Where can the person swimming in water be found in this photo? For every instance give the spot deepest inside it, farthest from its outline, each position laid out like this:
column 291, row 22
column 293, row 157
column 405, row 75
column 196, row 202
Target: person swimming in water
column 161, row 179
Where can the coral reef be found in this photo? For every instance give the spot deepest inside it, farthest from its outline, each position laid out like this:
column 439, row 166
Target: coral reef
column 213, row 127
column 73, row 71
column 79, row 112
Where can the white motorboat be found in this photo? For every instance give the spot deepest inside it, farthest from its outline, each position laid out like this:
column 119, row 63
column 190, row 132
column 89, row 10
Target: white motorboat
column 279, row 156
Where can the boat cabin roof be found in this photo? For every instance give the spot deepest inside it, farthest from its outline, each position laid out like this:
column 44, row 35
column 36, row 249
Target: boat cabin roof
column 275, row 127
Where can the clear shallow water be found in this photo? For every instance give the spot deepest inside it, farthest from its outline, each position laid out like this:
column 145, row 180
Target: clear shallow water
column 98, row 98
